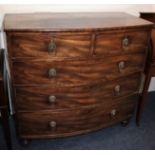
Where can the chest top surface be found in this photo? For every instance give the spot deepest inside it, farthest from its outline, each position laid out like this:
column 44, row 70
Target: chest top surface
column 71, row 21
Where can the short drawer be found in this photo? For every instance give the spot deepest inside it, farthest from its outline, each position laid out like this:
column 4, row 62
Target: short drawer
column 49, row 45
column 120, row 43
column 46, row 97
column 50, row 124
column 75, row 72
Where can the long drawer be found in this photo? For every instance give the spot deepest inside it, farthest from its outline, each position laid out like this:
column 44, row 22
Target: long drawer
column 49, row 124
column 45, row 97
column 76, row 72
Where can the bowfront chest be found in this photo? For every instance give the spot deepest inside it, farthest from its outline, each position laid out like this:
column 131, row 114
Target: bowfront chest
column 73, row 73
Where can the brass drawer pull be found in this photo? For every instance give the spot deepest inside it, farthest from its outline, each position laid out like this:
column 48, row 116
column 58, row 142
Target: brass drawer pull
column 52, row 99
column 51, row 47
column 52, row 125
column 113, row 113
column 52, row 72
column 125, row 42
column 121, row 65
column 117, row 89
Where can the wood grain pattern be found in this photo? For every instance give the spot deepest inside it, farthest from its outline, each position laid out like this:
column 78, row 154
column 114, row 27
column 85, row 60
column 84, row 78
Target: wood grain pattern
column 72, row 21
column 75, row 72
column 111, row 44
column 36, row 45
column 76, row 44
column 36, row 125
column 36, row 98
column 87, row 60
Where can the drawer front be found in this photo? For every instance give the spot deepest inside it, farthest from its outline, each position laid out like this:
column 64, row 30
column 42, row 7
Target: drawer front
column 46, row 97
column 77, row 72
column 121, row 43
column 50, row 45
column 51, row 124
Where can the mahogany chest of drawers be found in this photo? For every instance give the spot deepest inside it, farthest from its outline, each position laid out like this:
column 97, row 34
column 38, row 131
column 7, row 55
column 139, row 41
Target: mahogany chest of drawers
column 73, row 73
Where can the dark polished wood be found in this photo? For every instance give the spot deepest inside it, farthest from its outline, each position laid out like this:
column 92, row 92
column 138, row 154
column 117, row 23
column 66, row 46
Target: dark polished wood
column 79, row 44
column 4, row 103
column 150, row 17
column 37, row 98
column 107, row 45
column 73, row 122
column 37, row 45
column 71, row 21
column 150, row 67
column 74, row 73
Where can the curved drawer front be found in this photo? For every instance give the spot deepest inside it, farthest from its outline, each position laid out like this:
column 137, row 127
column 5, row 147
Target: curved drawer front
column 46, row 97
column 120, row 43
column 49, row 45
column 77, row 72
column 53, row 45
column 66, row 123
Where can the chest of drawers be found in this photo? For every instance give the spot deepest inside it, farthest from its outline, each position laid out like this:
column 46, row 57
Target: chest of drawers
column 74, row 73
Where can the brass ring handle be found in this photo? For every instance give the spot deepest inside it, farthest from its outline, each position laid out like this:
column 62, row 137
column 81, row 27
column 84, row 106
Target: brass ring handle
column 52, row 99
column 113, row 113
column 125, row 42
column 121, row 65
column 52, row 72
column 51, row 47
column 52, row 125
column 117, row 89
